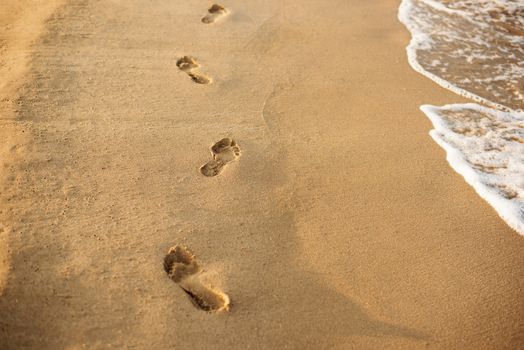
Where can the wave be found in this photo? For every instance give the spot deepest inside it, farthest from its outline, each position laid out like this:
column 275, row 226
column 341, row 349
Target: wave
column 476, row 49
column 485, row 146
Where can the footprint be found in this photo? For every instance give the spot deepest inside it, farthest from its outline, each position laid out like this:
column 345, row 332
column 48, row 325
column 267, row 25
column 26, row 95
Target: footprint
column 181, row 266
column 215, row 12
column 187, row 64
column 224, row 151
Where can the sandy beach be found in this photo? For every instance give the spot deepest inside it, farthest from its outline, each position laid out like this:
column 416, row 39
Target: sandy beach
column 328, row 220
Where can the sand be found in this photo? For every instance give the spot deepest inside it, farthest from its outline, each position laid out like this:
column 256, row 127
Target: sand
column 22, row 23
column 333, row 220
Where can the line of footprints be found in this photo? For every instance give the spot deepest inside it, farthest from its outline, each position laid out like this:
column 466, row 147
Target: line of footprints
column 180, row 263
column 188, row 64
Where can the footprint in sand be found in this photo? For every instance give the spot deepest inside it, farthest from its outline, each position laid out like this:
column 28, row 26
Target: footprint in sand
column 224, row 151
column 187, row 64
column 181, row 266
column 215, row 12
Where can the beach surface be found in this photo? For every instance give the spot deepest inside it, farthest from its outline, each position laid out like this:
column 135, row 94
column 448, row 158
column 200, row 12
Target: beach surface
column 329, row 219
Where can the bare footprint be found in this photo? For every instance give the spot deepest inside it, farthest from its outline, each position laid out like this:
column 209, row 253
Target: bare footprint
column 215, row 12
column 181, row 266
column 224, row 151
column 187, row 64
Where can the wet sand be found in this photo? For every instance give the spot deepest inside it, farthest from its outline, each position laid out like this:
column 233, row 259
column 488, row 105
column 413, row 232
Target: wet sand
column 338, row 224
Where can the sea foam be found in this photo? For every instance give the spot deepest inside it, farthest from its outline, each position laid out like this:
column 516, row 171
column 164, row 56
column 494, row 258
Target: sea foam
column 476, row 49
column 485, row 146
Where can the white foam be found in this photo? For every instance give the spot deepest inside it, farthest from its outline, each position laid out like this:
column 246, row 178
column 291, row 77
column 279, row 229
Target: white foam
column 486, row 147
column 452, row 36
column 475, row 49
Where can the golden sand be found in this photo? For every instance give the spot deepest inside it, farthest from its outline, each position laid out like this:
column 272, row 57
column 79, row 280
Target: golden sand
column 327, row 217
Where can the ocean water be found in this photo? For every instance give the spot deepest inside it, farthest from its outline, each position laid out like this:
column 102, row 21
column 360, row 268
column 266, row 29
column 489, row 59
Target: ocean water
column 476, row 49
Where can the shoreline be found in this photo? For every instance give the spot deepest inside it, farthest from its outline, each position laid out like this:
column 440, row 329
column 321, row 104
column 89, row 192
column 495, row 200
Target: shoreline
column 339, row 225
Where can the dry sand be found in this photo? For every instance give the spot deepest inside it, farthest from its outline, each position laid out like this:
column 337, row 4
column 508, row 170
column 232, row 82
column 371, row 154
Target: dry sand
column 22, row 23
column 338, row 223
